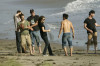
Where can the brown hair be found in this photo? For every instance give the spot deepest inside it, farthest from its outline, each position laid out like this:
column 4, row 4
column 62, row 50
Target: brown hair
column 40, row 18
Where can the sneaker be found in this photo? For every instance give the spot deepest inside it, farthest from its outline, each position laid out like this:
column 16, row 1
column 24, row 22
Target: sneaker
column 52, row 55
column 45, row 55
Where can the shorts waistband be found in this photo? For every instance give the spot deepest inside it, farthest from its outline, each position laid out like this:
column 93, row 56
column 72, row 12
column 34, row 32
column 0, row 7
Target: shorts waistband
column 67, row 33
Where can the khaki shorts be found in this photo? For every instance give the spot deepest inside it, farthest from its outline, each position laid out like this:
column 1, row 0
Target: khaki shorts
column 24, row 39
column 94, row 36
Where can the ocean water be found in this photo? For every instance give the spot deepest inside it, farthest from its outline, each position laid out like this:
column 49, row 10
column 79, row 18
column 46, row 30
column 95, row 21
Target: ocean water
column 52, row 10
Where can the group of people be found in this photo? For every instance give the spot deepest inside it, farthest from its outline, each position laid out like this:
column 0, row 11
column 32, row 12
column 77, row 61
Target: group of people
column 27, row 32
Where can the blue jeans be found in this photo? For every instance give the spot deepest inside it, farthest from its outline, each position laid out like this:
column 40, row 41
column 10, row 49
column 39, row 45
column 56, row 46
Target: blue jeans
column 47, row 45
column 66, row 37
column 35, row 36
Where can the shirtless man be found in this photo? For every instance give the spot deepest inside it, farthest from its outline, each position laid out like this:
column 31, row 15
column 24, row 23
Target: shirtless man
column 66, row 25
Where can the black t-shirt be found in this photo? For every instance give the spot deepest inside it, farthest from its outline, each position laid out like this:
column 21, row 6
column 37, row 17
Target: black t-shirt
column 90, row 24
column 41, row 31
column 33, row 20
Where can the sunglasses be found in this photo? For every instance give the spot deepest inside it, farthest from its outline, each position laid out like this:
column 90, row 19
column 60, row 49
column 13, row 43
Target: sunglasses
column 43, row 18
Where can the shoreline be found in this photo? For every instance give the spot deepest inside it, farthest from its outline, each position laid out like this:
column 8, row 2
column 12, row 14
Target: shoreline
column 38, row 3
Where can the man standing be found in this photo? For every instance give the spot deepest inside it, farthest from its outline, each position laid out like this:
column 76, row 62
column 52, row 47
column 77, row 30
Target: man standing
column 66, row 25
column 18, row 40
column 24, row 27
column 33, row 19
column 89, row 25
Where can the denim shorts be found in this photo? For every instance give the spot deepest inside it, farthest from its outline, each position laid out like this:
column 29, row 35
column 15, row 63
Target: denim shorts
column 66, row 37
column 35, row 36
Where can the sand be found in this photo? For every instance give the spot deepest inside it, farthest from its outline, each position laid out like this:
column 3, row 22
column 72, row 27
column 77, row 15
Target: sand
column 10, row 57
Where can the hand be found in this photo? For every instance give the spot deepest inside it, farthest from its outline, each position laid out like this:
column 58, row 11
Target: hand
column 31, row 26
column 91, row 31
column 58, row 36
column 31, row 29
column 73, row 36
column 49, row 30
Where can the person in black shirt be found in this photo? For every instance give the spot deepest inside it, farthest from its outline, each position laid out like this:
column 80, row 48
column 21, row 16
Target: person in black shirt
column 90, row 25
column 33, row 19
column 43, row 33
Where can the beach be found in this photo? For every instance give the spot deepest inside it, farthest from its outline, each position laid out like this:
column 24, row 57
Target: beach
column 10, row 57
column 76, row 9
column 52, row 10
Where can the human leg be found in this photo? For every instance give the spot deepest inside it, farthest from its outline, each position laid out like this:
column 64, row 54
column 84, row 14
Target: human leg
column 18, row 41
column 36, row 35
column 29, row 43
column 46, row 45
column 89, row 41
column 33, row 41
column 64, row 38
column 95, row 41
column 23, row 42
column 70, row 44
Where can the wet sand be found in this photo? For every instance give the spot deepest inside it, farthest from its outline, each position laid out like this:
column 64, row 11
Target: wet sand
column 10, row 57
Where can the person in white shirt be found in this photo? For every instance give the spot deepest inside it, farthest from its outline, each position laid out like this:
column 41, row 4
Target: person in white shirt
column 18, row 39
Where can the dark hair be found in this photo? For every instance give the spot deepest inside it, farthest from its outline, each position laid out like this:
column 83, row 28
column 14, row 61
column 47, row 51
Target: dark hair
column 31, row 10
column 40, row 18
column 18, row 11
column 65, row 16
column 91, row 12
column 21, row 15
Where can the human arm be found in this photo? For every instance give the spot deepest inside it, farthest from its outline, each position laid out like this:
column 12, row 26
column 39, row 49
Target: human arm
column 29, row 27
column 85, row 26
column 15, row 22
column 45, row 30
column 25, row 27
column 73, row 31
column 36, row 18
column 97, row 25
column 61, row 28
column 34, row 24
